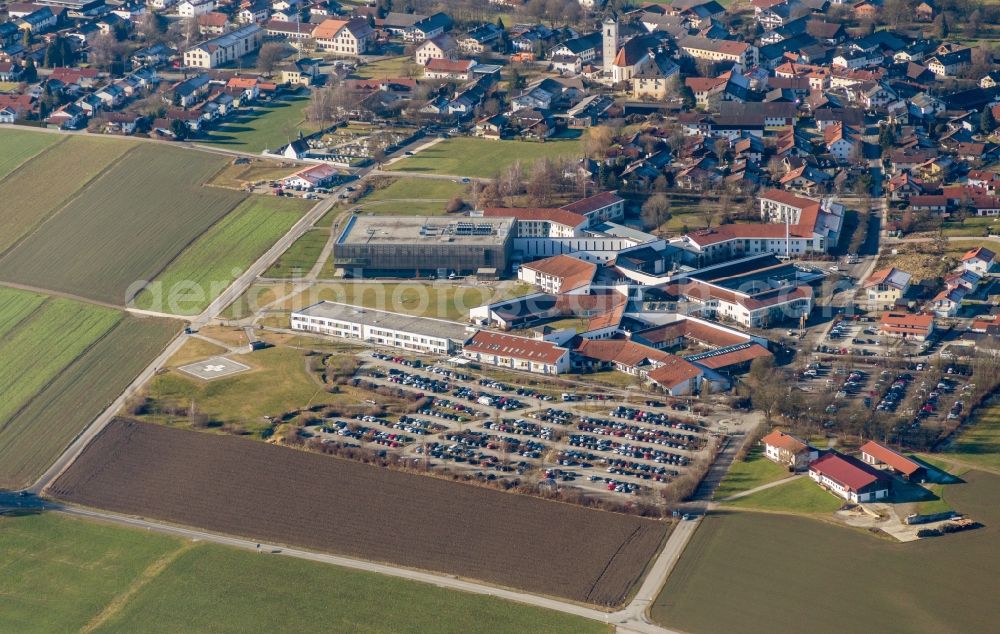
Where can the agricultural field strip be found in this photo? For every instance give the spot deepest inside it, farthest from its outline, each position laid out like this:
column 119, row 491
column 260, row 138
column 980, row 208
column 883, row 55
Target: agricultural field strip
column 501, row 538
column 169, row 209
column 41, row 347
column 34, row 437
column 15, row 307
column 19, row 146
column 217, row 256
column 31, row 195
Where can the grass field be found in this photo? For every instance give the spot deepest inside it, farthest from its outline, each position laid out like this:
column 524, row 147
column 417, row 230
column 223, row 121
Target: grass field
column 801, row 495
column 413, row 197
column 299, row 259
column 236, row 176
column 132, row 221
column 386, row 68
column 979, row 443
column 482, row 158
column 279, row 382
column 21, row 145
column 35, row 436
column 772, row 573
column 39, row 346
column 973, row 226
column 268, row 127
column 753, row 472
column 32, row 193
column 57, row 574
column 217, row 257
column 60, row 574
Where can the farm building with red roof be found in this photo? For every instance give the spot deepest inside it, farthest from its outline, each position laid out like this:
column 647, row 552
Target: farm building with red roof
column 849, row 478
column 878, row 455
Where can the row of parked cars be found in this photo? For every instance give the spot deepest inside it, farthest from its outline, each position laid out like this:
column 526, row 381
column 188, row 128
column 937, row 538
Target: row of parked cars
column 655, row 418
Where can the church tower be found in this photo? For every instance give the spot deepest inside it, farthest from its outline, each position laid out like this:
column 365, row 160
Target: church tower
column 610, row 41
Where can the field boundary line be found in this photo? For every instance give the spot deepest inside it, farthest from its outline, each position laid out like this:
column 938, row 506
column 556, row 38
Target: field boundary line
column 5, row 424
column 60, row 294
column 69, row 200
column 185, row 248
column 31, row 158
column 151, row 572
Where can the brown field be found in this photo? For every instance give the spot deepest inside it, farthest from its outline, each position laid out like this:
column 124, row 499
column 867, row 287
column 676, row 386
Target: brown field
column 238, row 486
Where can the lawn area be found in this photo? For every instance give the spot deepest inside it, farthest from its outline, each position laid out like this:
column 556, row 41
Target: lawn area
column 481, row 158
column 279, row 382
column 801, row 495
column 207, row 267
column 60, row 574
column 759, row 564
column 236, row 176
column 21, row 145
column 413, row 197
column 31, row 193
column 124, row 227
column 979, row 442
column 442, row 300
column 386, row 68
column 268, row 126
column 37, row 434
column 41, row 344
column 56, row 573
column 753, row 472
column 974, row 226
column 299, row 259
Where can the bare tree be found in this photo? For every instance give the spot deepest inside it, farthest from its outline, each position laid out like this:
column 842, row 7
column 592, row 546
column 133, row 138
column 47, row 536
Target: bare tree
column 596, row 141
column 655, row 211
column 269, row 56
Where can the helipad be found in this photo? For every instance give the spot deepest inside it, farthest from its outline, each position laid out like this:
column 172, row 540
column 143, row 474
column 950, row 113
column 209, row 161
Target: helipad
column 214, row 368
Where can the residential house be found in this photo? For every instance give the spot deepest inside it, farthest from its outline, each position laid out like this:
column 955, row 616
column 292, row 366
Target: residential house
column 351, row 37
column 948, row 302
column 291, row 31
column 788, row 451
column 460, row 70
column 978, row 260
column 483, row 38
column 885, row 288
column 194, row 8
column 427, row 28
column 439, row 47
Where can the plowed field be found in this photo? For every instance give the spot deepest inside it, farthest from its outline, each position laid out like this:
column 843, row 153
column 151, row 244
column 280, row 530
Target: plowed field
column 238, row 486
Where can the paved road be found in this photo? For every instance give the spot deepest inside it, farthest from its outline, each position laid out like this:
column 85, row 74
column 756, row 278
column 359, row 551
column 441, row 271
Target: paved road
column 439, row 177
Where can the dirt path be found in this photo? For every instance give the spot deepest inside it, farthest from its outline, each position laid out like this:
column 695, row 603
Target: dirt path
column 743, row 494
column 119, row 602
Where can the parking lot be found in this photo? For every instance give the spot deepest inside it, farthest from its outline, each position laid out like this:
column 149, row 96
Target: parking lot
column 474, row 424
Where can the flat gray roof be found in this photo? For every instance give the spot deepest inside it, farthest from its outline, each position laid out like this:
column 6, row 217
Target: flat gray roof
column 429, row 230
column 423, row 326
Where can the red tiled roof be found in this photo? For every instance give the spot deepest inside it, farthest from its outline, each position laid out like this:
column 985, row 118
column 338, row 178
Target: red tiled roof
column 848, row 472
column 515, row 347
column 784, row 441
column 621, row 351
column 735, row 357
column 693, row 330
column 674, row 371
column 979, row 252
column 906, row 323
column 441, row 65
column 552, row 214
column 573, row 272
column 593, row 203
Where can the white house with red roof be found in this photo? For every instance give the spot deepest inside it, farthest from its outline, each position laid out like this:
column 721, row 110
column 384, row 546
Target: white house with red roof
column 979, row 260
column 559, row 274
column 787, row 450
column 885, row 287
column 312, row 177
column 906, row 326
column 849, row 478
column 516, row 353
